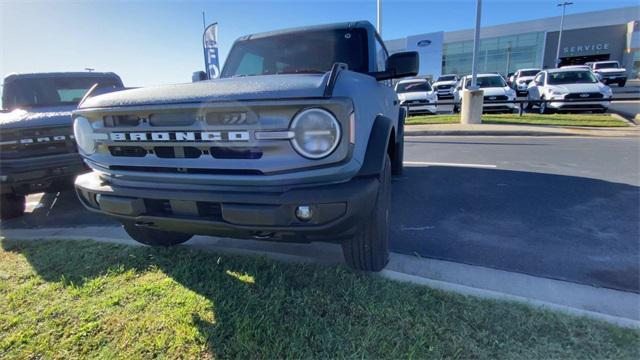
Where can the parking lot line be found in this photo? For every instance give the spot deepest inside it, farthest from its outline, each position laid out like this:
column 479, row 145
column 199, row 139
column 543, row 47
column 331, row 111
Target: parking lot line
column 428, row 163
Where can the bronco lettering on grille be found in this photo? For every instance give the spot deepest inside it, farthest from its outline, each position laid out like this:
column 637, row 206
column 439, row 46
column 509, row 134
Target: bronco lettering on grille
column 180, row 136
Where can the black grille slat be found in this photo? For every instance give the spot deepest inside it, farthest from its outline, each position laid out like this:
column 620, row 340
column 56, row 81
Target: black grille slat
column 47, row 146
column 496, row 97
column 127, row 151
column 591, row 95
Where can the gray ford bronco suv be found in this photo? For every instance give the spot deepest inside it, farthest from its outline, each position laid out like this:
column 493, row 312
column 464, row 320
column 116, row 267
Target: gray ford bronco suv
column 37, row 149
column 296, row 141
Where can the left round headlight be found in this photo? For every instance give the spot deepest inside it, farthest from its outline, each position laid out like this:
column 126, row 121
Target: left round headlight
column 83, row 133
column 316, row 133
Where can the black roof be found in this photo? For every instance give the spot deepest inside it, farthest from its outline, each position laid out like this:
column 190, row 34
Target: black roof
column 83, row 74
column 335, row 26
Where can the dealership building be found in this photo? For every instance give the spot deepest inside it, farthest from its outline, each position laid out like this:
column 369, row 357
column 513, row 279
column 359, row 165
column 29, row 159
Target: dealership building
column 593, row 36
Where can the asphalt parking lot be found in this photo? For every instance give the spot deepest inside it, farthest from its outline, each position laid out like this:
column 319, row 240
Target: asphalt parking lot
column 562, row 208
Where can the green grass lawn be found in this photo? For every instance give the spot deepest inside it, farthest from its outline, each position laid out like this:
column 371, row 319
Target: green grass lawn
column 595, row 120
column 82, row 299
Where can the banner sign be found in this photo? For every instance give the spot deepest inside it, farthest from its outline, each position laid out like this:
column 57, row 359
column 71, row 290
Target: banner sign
column 210, row 44
column 429, row 46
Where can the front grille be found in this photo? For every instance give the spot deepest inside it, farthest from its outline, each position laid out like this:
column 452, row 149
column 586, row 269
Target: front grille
column 495, row 98
column 177, row 170
column 416, row 102
column 590, row 95
column 444, row 87
column 188, row 152
column 27, row 143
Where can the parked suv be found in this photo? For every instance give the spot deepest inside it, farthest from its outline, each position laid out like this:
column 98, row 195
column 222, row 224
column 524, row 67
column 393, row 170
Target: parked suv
column 572, row 85
column 521, row 80
column 417, row 96
column 496, row 93
column 609, row 72
column 445, row 85
column 296, row 141
column 37, row 149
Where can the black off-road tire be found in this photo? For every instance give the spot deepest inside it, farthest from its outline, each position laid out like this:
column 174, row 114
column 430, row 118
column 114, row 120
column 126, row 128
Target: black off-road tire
column 12, row 206
column 369, row 249
column 153, row 237
column 544, row 109
column 396, row 164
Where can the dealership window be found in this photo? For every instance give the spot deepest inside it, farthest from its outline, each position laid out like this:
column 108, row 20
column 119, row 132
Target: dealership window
column 502, row 54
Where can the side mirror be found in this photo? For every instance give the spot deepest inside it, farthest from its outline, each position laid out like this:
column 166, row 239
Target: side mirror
column 198, row 76
column 400, row 65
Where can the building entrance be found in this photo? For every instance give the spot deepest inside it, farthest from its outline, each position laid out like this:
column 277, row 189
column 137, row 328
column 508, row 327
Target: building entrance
column 580, row 60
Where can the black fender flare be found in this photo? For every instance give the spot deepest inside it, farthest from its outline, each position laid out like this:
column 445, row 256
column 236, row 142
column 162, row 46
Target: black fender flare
column 381, row 131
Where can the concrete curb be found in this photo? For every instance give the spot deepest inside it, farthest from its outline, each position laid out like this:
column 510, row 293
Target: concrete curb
column 612, row 306
column 543, row 131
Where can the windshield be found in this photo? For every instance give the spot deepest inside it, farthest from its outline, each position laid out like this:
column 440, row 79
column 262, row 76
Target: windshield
column 488, row 82
column 529, row 72
column 51, row 91
column 413, row 87
column 609, row 65
column 299, row 53
column 447, row 78
column 571, row 77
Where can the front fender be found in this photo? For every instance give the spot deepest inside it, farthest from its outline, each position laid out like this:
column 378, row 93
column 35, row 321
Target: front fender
column 377, row 146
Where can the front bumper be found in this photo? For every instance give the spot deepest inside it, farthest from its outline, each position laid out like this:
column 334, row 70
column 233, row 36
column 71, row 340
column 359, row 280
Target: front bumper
column 579, row 106
column 421, row 109
column 239, row 212
column 498, row 107
column 613, row 78
column 39, row 174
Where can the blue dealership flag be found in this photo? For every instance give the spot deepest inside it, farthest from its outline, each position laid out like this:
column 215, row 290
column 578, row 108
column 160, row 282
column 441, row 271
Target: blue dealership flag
column 210, row 44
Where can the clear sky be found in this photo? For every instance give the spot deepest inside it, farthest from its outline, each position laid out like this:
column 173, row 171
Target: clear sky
column 156, row 42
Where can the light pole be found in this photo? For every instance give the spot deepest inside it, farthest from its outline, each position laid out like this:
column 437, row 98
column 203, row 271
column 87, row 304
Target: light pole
column 564, row 7
column 379, row 16
column 476, row 46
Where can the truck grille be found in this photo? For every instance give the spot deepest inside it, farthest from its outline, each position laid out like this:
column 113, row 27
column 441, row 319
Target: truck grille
column 28, row 143
column 590, row 95
column 495, row 98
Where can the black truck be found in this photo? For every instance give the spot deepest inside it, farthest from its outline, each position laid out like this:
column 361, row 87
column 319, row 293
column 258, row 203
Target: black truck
column 38, row 152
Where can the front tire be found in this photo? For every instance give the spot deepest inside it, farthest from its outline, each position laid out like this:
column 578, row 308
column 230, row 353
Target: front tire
column 369, row 249
column 153, row 237
column 12, row 206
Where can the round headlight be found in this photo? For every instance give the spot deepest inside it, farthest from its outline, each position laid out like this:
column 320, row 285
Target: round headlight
column 316, row 133
column 83, row 133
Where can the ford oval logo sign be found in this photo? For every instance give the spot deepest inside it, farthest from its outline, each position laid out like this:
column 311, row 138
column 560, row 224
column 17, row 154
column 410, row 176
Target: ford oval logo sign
column 584, row 95
column 424, row 43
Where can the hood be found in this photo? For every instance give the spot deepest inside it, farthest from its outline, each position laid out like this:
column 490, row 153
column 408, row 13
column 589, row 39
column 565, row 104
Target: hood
column 579, row 88
column 452, row 82
column 415, row 95
column 526, row 78
column 611, row 70
column 36, row 117
column 260, row 87
column 495, row 91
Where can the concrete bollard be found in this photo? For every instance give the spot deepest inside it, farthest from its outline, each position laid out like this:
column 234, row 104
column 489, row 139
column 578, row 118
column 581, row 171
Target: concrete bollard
column 471, row 107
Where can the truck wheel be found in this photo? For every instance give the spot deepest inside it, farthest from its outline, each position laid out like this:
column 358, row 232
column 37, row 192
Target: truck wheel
column 369, row 249
column 621, row 83
column 11, row 206
column 153, row 237
column 398, row 154
column 544, row 109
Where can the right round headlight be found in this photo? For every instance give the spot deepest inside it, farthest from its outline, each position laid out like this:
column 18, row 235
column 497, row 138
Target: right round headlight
column 316, row 133
column 83, row 133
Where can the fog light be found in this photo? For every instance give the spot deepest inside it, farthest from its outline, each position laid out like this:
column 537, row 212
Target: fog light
column 304, row 213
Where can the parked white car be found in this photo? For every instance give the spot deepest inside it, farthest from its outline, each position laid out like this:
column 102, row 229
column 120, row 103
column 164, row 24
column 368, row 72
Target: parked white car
column 495, row 90
column 609, row 72
column 417, row 95
column 521, row 80
column 568, row 84
column 445, row 85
